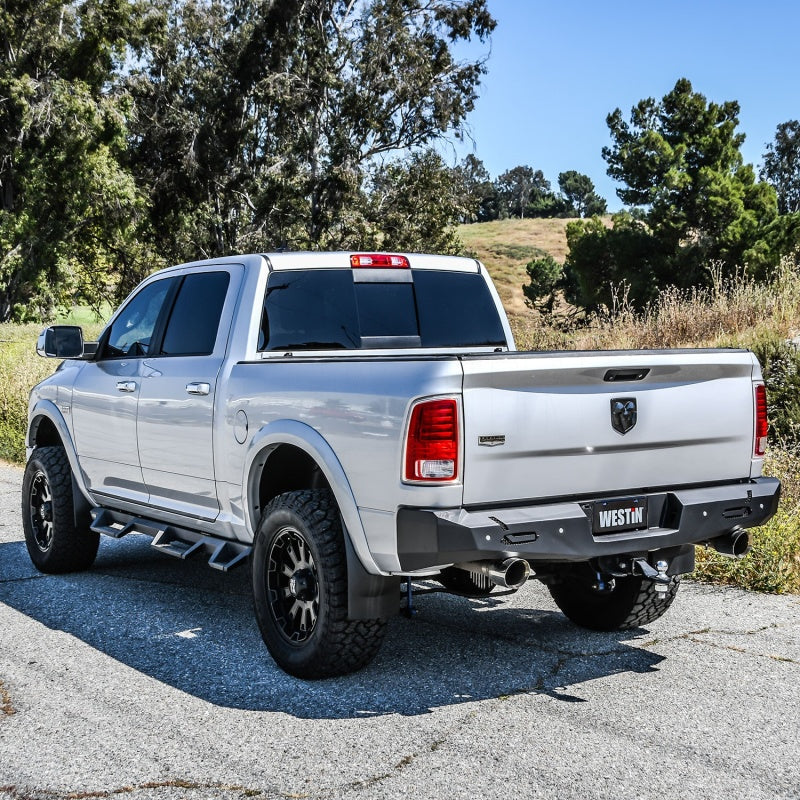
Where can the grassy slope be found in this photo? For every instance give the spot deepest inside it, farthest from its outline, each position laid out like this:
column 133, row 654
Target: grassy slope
column 505, row 246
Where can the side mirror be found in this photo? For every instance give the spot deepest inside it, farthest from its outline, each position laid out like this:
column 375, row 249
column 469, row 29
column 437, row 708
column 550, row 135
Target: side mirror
column 60, row 341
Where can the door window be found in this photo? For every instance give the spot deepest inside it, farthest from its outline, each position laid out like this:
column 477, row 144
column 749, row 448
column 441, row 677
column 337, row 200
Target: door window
column 132, row 332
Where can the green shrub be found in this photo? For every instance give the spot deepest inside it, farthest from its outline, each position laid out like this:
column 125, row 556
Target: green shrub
column 773, row 563
column 20, row 369
column 546, row 276
column 781, row 365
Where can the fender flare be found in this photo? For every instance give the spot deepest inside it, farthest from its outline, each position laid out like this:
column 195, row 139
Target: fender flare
column 81, row 499
column 306, row 438
column 371, row 593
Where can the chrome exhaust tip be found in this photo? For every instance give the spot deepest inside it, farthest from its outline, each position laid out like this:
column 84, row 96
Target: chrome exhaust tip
column 510, row 574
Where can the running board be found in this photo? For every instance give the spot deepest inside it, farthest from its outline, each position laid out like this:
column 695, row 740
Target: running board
column 223, row 554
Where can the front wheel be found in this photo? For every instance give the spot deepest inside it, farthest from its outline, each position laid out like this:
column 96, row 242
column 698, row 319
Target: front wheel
column 55, row 543
column 300, row 589
column 631, row 603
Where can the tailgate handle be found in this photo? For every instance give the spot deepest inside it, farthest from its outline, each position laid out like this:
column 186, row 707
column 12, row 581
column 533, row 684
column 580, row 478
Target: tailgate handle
column 614, row 375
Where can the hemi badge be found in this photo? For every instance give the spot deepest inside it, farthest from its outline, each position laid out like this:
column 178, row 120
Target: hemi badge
column 491, row 441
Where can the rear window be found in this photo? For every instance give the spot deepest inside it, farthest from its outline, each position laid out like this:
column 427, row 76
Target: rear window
column 386, row 309
column 455, row 309
column 327, row 309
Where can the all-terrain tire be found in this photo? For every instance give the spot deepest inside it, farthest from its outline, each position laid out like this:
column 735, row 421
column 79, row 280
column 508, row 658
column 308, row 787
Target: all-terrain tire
column 55, row 544
column 632, row 603
column 470, row 584
column 299, row 570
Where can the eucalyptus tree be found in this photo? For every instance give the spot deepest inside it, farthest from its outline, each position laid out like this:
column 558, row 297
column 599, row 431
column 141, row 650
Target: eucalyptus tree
column 257, row 124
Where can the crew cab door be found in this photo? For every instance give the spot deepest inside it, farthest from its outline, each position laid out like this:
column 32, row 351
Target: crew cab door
column 106, row 394
column 178, row 387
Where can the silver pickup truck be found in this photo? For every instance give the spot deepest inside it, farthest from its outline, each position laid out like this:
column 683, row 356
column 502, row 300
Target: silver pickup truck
column 342, row 421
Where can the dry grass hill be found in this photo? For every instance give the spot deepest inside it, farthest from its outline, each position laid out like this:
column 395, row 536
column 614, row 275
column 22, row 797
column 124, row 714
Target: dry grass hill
column 505, row 246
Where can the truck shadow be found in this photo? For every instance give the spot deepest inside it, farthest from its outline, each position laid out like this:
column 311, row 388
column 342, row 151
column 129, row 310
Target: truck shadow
column 194, row 630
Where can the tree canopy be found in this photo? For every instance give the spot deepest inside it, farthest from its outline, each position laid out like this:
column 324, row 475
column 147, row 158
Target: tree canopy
column 525, row 192
column 523, row 189
column 578, row 191
column 266, row 118
column 782, row 166
column 694, row 203
column 138, row 134
column 68, row 206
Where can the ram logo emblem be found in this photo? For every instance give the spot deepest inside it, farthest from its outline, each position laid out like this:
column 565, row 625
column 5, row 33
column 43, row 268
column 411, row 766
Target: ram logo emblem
column 623, row 413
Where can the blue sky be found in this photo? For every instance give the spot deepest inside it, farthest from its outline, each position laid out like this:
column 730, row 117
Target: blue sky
column 557, row 69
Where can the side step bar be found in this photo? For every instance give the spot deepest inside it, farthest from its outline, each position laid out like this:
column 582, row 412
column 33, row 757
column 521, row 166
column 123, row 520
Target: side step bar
column 223, row 554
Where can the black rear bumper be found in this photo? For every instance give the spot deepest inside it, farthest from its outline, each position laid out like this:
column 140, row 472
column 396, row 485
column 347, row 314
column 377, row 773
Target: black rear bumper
column 562, row 531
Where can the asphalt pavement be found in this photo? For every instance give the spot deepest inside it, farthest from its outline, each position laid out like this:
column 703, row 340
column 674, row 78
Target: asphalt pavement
column 146, row 677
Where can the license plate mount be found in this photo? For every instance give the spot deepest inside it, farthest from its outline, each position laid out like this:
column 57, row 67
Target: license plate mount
column 619, row 515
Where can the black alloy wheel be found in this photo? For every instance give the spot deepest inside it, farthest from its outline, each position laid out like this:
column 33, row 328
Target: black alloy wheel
column 40, row 509
column 300, row 592
column 293, row 585
column 55, row 542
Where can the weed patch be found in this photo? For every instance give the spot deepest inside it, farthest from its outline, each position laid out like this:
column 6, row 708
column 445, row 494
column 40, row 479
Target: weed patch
column 773, row 563
column 20, row 369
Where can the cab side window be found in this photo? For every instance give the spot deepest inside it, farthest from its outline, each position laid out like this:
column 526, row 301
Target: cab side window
column 133, row 330
column 194, row 320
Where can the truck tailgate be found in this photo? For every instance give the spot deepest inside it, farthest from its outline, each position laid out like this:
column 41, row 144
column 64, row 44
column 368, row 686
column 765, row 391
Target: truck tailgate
column 541, row 425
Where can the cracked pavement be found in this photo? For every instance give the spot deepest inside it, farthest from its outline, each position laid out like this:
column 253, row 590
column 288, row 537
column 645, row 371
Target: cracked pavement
column 146, row 678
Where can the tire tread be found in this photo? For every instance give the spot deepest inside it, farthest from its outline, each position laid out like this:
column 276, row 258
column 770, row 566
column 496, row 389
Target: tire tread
column 650, row 604
column 73, row 548
column 345, row 645
column 633, row 603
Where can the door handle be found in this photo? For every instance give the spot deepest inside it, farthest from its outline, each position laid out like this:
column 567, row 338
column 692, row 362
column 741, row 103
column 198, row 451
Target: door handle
column 198, row 388
column 126, row 386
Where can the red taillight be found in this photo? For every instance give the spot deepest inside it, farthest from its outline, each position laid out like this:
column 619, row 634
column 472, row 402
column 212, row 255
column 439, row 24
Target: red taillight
column 762, row 426
column 379, row 261
column 432, row 444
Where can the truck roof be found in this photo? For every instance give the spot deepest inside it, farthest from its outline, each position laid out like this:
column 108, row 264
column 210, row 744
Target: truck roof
column 342, row 260
column 309, row 259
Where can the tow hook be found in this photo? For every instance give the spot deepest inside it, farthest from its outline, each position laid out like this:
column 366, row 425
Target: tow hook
column 657, row 574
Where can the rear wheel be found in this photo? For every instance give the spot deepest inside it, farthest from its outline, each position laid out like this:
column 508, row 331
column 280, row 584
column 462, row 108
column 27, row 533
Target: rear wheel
column 300, row 589
column 632, row 602
column 55, row 544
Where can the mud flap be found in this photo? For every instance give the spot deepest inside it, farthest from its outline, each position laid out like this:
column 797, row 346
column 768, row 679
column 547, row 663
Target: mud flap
column 81, row 507
column 369, row 596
